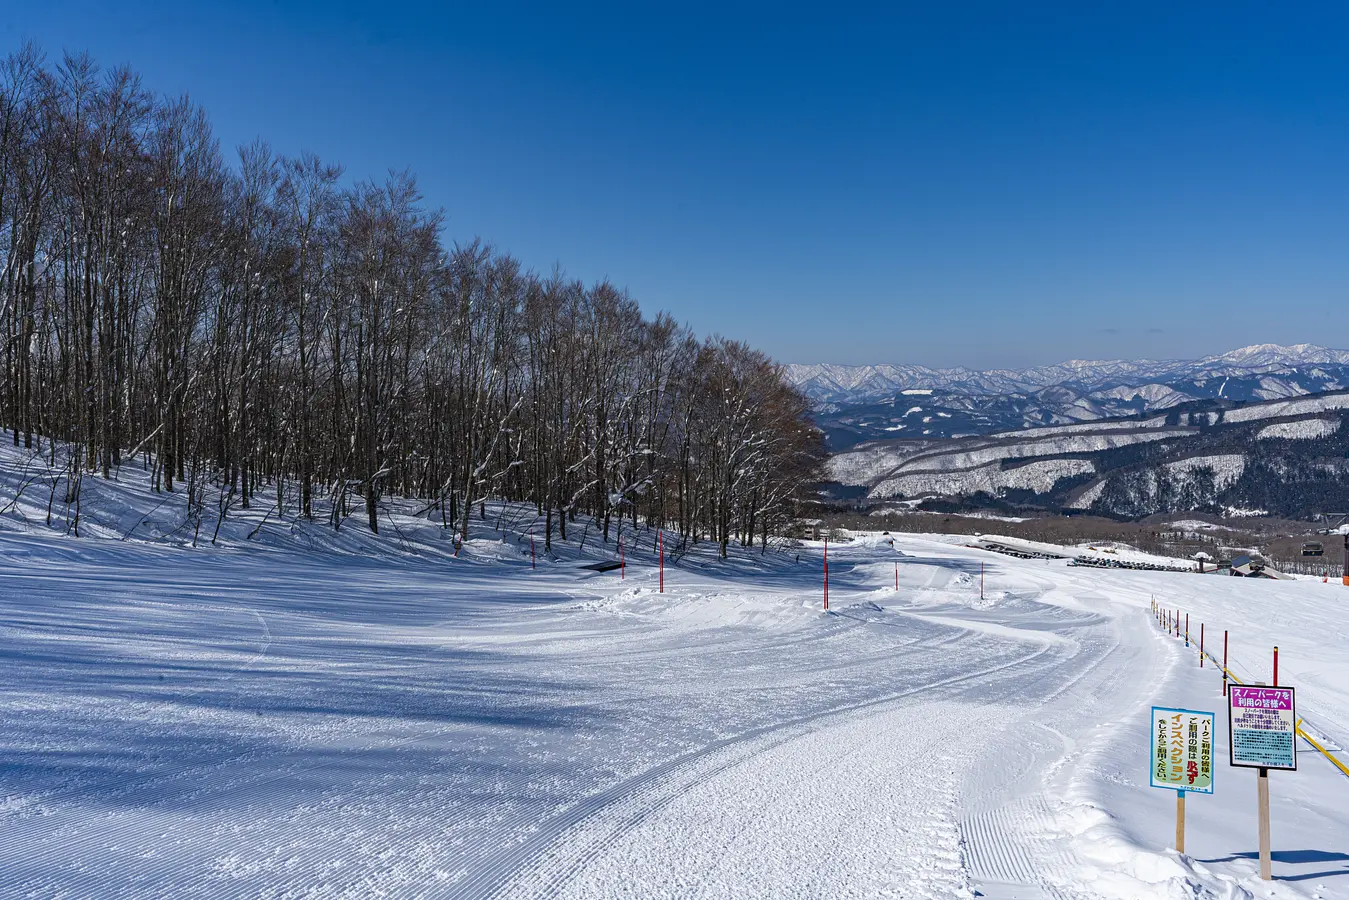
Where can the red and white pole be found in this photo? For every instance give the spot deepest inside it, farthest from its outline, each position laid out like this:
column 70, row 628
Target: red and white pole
column 661, row 537
column 1224, row 662
column 826, row 574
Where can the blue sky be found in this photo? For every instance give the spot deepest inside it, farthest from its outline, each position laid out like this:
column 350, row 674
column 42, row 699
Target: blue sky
column 981, row 184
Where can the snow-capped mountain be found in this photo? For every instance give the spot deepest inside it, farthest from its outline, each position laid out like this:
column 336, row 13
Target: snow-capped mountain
column 857, row 403
column 855, row 384
column 1289, row 457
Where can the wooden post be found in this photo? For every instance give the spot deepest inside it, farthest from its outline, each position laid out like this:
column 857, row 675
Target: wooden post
column 1262, row 789
column 1180, row 822
column 532, row 563
column 622, row 562
column 661, row 538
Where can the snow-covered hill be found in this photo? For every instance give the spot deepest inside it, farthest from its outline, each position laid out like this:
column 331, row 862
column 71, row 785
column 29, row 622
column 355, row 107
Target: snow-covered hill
column 1286, row 457
column 857, row 403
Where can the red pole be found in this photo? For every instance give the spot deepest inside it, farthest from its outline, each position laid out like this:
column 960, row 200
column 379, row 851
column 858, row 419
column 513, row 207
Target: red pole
column 1201, row 645
column 661, row 538
column 1276, row 666
column 1224, row 662
column 826, row 574
column 1187, row 629
column 896, row 576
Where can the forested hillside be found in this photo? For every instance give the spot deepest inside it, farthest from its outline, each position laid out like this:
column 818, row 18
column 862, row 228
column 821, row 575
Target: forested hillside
column 255, row 324
column 1281, row 457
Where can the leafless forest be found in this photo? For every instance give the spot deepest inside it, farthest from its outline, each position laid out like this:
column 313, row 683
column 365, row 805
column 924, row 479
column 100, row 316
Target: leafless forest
column 257, row 331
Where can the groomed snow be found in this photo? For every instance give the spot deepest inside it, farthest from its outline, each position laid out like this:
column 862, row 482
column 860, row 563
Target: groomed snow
column 361, row 717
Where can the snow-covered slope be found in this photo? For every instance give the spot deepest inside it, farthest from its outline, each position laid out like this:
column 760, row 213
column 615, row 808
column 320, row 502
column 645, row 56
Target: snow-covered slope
column 1301, row 429
column 297, row 721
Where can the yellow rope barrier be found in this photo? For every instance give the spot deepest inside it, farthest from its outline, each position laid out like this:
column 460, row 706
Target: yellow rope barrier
column 1306, row 737
column 1324, row 752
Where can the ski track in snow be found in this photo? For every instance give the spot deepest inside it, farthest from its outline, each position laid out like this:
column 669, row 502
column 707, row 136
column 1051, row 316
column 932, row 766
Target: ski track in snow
column 221, row 723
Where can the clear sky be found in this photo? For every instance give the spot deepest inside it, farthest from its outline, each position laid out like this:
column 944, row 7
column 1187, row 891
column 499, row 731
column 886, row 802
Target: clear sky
column 983, row 184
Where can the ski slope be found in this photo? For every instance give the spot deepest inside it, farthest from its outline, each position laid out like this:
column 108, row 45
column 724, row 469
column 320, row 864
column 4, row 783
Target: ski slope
column 297, row 719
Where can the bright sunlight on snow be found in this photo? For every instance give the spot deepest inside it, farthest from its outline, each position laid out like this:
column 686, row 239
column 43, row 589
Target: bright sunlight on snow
column 281, row 716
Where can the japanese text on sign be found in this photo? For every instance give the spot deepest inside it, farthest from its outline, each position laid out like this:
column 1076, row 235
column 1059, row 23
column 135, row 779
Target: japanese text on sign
column 1182, row 750
column 1263, row 727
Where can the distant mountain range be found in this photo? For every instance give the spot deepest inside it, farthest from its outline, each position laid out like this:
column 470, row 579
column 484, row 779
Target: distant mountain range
column 1285, row 457
column 862, row 403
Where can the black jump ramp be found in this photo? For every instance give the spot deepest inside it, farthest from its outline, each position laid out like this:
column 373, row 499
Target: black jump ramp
column 603, row 566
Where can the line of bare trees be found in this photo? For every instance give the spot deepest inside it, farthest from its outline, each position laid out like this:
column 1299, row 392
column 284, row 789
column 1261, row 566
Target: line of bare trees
column 264, row 331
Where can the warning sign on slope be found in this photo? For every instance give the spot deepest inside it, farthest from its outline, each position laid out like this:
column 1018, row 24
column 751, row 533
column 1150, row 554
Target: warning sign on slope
column 1262, row 722
column 1182, row 750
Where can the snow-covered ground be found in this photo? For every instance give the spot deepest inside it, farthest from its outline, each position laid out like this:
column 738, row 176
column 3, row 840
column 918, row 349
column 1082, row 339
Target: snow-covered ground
column 364, row 717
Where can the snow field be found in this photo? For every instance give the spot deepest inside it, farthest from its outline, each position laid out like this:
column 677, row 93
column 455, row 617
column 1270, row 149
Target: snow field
column 282, row 722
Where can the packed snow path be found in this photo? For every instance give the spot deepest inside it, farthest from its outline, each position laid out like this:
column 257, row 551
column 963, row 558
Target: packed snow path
column 264, row 723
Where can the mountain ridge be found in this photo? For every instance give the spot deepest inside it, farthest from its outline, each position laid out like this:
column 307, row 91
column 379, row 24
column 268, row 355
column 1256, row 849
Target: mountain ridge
column 828, row 382
column 860, row 403
column 1285, row 457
